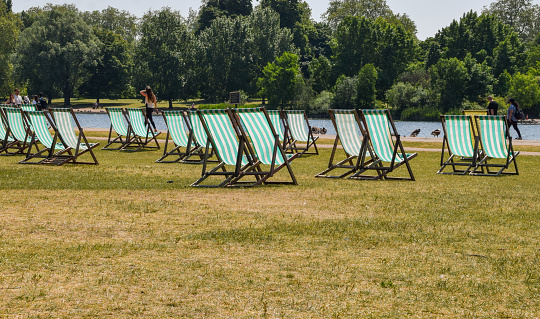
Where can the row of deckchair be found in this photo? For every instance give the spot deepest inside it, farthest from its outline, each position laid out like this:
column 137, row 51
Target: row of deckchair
column 371, row 143
column 27, row 131
column 132, row 129
column 189, row 137
column 478, row 145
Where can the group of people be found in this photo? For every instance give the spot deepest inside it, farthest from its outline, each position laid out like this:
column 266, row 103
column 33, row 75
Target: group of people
column 493, row 107
column 16, row 99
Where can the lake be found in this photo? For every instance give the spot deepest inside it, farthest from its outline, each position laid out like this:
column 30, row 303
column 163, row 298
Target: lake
column 405, row 128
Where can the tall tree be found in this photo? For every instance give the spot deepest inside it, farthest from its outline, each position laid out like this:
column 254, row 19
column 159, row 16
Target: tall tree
column 213, row 9
column 9, row 29
column 164, row 55
column 449, row 79
column 522, row 15
column 120, row 22
column 290, row 11
column 365, row 87
column 280, row 80
column 51, row 52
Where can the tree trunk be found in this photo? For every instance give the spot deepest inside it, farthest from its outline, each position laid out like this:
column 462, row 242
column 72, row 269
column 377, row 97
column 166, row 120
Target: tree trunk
column 170, row 104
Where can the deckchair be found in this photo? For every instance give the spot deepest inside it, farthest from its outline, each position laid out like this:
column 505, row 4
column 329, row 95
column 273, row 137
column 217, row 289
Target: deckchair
column 495, row 143
column 52, row 150
column 17, row 128
column 142, row 134
column 264, row 146
column 123, row 132
column 349, row 135
column 458, row 139
column 6, row 138
column 276, row 116
column 388, row 154
column 62, row 118
column 179, row 129
column 299, row 131
column 228, row 145
column 200, row 136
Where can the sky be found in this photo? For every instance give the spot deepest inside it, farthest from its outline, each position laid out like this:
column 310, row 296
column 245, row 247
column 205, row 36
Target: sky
column 429, row 15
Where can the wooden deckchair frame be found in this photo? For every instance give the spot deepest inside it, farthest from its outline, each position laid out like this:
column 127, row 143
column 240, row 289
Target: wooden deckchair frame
column 6, row 142
column 191, row 147
column 137, row 140
column 290, row 142
column 81, row 138
column 376, row 163
column 458, row 161
column 121, row 139
column 510, row 153
column 19, row 146
column 46, row 154
column 349, row 163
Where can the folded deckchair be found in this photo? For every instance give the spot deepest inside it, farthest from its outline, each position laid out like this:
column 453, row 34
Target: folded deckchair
column 6, row 138
column 458, row 139
column 179, row 129
column 264, row 146
column 142, row 133
column 388, row 154
column 62, row 118
column 496, row 144
column 17, row 127
column 298, row 131
column 51, row 150
column 349, row 135
column 118, row 124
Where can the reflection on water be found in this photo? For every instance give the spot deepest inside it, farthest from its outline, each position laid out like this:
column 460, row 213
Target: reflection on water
column 405, row 128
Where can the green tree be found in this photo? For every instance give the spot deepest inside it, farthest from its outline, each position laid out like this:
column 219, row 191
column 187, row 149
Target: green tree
column 344, row 93
column 280, row 79
column 365, row 86
column 164, row 55
column 9, row 30
column 109, row 75
column 525, row 89
column 213, row 9
column 480, row 79
column 290, row 11
column 449, row 80
column 120, row 22
column 509, row 55
column 521, row 15
column 502, row 86
column 320, row 72
column 225, row 53
column 51, row 52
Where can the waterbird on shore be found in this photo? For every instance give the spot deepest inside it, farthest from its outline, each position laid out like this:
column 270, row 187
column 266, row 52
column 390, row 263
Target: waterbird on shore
column 415, row 132
column 436, row 133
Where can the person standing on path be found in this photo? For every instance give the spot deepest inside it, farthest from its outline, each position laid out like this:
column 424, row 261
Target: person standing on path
column 150, row 100
column 493, row 107
column 511, row 116
column 18, row 99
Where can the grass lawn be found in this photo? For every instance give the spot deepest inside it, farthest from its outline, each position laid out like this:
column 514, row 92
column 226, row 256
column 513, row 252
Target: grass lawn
column 130, row 238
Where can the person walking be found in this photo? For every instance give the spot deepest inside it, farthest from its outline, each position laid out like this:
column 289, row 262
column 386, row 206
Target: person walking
column 493, row 106
column 150, row 100
column 511, row 116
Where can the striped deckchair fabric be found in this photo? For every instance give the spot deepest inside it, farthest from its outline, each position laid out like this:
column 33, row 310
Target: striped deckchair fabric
column 64, row 118
column 379, row 131
column 349, row 135
column 17, row 127
column 141, row 132
column 277, row 122
column 495, row 143
column 51, row 149
column 298, row 131
column 179, row 129
column 198, row 128
column 118, row 125
column 29, row 107
column 6, row 138
column 458, row 139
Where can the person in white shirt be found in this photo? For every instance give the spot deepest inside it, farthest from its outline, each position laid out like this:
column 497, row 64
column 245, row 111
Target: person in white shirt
column 17, row 98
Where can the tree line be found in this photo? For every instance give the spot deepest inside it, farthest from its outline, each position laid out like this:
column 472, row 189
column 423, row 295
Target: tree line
column 361, row 55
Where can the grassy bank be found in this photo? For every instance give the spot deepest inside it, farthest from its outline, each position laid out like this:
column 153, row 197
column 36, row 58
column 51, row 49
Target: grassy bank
column 130, row 238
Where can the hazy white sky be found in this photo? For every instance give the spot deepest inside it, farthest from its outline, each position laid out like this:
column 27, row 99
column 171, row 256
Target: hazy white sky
column 429, row 15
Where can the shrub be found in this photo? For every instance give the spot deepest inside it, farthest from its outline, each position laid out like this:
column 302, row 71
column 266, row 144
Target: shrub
column 321, row 104
column 420, row 114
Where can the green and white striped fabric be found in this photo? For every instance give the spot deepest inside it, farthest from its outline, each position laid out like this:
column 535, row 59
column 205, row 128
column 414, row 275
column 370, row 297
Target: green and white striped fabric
column 261, row 135
column 136, row 117
column 459, row 134
column 63, row 121
column 175, row 124
column 349, row 131
column 493, row 135
column 198, row 129
column 29, row 107
column 117, row 120
column 222, row 131
column 297, row 125
column 275, row 117
column 379, row 132
column 16, row 124
column 40, row 127
column 3, row 132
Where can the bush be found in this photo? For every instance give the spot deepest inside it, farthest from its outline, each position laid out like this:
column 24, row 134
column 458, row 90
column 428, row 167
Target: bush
column 223, row 106
column 321, row 104
column 420, row 114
